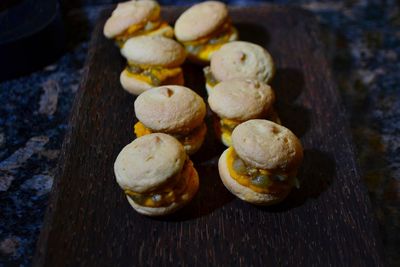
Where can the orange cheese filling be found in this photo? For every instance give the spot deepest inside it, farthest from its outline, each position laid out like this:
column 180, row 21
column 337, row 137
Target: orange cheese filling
column 148, row 28
column 152, row 75
column 204, row 47
column 258, row 180
column 165, row 196
column 141, row 130
column 224, row 127
column 195, row 136
column 227, row 127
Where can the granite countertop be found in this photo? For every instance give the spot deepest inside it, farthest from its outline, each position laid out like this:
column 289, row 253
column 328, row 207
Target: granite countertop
column 364, row 48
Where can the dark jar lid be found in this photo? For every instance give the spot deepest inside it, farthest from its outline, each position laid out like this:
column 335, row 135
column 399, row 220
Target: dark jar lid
column 31, row 36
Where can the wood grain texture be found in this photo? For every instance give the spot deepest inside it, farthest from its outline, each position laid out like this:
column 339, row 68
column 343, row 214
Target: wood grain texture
column 327, row 222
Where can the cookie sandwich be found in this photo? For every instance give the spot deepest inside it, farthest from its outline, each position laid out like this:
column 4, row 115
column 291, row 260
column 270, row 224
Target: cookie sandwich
column 261, row 165
column 156, row 175
column 152, row 61
column 238, row 100
column 203, row 29
column 175, row 110
column 135, row 18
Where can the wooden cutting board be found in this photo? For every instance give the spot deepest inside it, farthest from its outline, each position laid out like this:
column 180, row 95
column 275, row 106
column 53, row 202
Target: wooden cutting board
column 327, row 222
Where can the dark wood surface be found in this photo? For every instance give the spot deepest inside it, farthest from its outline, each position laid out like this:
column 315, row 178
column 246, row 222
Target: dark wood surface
column 327, row 222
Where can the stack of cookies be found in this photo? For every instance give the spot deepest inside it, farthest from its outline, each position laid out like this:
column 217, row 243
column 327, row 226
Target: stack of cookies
column 136, row 18
column 155, row 172
column 261, row 162
column 203, row 29
column 153, row 57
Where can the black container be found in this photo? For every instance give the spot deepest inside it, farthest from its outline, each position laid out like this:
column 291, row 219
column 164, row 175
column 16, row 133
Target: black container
column 31, row 36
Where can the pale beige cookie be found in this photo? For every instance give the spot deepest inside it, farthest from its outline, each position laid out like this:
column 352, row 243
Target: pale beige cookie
column 154, row 51
column 267, row 145
column 132, row 85
column 241, row 99
column 149, row 162
column 243, row 60
column 200, row 20
column 171, row 109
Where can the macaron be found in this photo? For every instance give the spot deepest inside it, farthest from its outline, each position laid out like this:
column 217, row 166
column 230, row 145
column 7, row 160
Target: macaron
column 242, row 60
column 238, row 100
column 152, row 61
column 135, row 18
column 156, row 175
column 174, row 110
column 203, row 29
column 261, row 165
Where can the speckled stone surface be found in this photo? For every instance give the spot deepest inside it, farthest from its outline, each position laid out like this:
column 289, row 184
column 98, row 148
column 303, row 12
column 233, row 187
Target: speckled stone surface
column 363, row 43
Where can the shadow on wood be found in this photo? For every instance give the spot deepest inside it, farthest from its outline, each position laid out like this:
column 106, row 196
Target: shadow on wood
column 253, row 33
column 315, row 176
column 288, row 85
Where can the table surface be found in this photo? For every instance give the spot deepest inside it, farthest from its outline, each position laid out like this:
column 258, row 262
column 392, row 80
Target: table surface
column 363, row 41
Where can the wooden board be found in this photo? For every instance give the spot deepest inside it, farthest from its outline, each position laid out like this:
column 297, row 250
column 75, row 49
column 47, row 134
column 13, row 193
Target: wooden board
column 328, row 222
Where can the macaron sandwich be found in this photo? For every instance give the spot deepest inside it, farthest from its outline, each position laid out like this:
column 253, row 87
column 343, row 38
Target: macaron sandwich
column 261, row 165
column 156, row 175
column 135, row 18
column 239, row 60
column 203, row 29
column 175, row 110
column 152, row 61
column 238, row 100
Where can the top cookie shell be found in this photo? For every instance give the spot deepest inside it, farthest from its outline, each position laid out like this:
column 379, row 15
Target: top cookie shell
column 267, row 145
column 149, row 162
column 241, row 100
column 154, row 51
column 242, row 60
column 200, row 20
column 170, row 109
column 130, row 13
